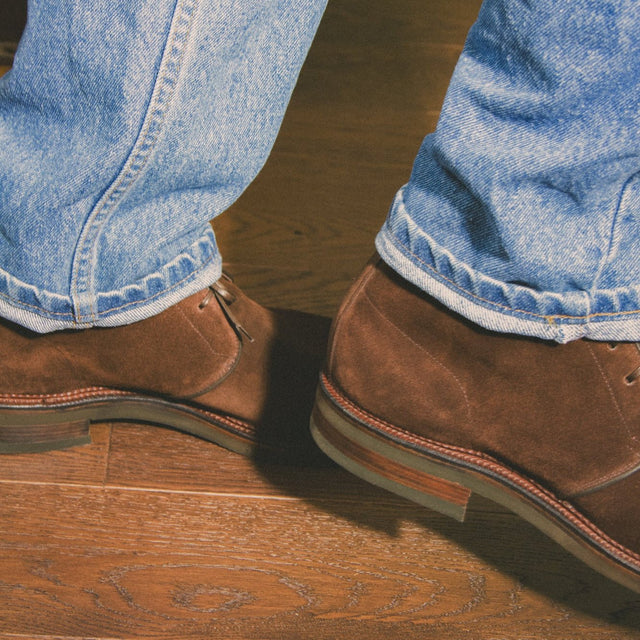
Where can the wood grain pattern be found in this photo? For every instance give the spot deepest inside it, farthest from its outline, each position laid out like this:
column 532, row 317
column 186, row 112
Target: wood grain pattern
column 178, row 565
column 70, row 466
column 371, row 89
column 148, row 533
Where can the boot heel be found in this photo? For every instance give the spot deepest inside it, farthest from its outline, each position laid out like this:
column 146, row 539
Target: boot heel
column 381, row 463
column 40, row 436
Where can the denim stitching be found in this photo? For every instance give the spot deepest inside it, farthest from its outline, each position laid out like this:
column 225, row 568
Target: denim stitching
column 26, row 305
column 98, row 314
column 549, row 318
column 170, row 66
column 190, row 276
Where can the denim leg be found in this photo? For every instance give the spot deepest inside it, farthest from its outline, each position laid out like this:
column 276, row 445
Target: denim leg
column 124, row 128
column 522, row 212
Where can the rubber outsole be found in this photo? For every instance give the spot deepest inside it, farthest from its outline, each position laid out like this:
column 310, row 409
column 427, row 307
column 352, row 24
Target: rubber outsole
column 63, row 424
column 443, row 477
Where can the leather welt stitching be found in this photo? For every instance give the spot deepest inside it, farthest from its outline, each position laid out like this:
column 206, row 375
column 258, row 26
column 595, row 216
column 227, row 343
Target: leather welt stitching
column 16, row 399
column 483, row 462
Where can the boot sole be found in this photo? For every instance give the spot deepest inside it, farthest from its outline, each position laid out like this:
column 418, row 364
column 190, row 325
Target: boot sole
column 59, row 422
column 443, row 477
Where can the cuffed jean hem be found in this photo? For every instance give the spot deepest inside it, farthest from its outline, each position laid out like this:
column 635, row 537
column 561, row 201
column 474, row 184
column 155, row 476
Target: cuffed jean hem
column 197, row 267
column 605, row 315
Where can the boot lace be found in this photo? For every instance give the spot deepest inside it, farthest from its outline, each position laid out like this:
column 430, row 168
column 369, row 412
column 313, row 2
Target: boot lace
column 225, row 299
column 635, row 374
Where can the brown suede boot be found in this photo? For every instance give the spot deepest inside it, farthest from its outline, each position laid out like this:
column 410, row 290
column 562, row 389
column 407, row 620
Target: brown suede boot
column 216, row 365
column 417, row 400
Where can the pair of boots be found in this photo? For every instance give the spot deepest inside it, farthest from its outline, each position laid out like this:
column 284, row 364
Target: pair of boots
column 411, row 397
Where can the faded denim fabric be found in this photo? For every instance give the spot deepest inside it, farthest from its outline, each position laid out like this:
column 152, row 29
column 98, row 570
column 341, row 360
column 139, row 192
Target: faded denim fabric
column 522, row 212
column 124, row 128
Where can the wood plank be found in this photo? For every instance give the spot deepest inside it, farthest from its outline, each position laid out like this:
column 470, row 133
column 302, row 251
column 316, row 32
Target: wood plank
column 13, row 16
column 370, row 90
column 319, row 228
column 171, row 460
column 115, row 563
column 388, row 49
column 151, row 533
column 86, row 464
column 151, row 458
column 146, row 457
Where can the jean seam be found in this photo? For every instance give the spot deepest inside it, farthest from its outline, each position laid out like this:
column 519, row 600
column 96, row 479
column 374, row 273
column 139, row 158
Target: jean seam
column 614, row 221
column 98, row 314
column 27, row 306
column 190, row 276
column 496, row 305
column 83, row 301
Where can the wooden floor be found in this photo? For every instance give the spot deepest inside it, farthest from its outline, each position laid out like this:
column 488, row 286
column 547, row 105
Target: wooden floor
column 147, row 533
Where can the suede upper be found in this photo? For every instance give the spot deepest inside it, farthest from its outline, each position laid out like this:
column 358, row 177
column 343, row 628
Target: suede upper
column 564, row 415
column 217, row 351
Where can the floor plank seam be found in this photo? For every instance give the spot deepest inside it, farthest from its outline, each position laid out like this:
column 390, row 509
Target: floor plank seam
column 31, row 636
column 107, row 463
column 116, row 487
column 313, row 500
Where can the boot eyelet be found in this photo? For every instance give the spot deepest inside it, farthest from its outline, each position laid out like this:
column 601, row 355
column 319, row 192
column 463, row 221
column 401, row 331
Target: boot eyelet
column 630, row 381
column 205, row 301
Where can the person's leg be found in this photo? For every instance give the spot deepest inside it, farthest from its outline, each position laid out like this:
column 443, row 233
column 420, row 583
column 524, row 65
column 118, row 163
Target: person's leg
column 522, row 210
column 521, row 220
column 124, row 127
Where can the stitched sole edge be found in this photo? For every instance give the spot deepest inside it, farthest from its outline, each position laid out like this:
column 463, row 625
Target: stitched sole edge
column 386, row 455
column 64, row 422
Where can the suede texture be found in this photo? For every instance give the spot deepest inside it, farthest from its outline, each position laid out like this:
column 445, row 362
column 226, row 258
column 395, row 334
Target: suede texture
column 563, row 415
column 612, row 509
column 273, row 385
column 193, row 354
column 179, row 352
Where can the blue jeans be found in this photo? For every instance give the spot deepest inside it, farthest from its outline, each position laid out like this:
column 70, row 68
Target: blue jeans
column 523, row 209
column 125, row 127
